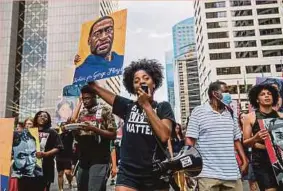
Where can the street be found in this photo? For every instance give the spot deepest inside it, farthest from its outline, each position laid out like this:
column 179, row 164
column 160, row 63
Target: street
column 54, row 186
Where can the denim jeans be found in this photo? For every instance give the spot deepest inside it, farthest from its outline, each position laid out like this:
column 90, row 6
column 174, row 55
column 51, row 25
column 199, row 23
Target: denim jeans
column 93, row 178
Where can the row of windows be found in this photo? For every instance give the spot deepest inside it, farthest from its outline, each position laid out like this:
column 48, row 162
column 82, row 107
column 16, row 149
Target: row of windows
column 269, row 21
column 246, row 54
column 250, row 43
column 215, row 4
column 214, row 35
column 241, row 13
column 247, row 43
column 241, row 23
column 234, row 3
column 261, row 2
column 249, row 69
column 233, row 89
column 228, row 70
column 244, row 33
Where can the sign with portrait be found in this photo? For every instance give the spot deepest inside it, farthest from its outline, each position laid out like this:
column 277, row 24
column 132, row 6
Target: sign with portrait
column 72, row 90
column 274, row 145
column 25, row 145
column 101, row 48
column 65, row 108
column 6, row 140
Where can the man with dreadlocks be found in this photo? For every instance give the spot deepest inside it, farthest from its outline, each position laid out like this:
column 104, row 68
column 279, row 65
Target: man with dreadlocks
column 262, row 97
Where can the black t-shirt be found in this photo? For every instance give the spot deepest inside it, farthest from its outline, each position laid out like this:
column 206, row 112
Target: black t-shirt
column 67, row 140
column 49, row 139
column 177, row 145
column 138, row 142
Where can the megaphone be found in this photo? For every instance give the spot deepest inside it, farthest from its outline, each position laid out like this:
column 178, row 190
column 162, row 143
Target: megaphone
column 188, row 160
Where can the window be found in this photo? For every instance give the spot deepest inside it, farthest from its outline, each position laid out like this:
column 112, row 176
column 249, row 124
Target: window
column 246, row 54
column 242, row 23
column 269, row 21
column 267, row 11
column 241, row 13
column 261, row 2
column 233, row 89
column 279, row 67
column 244, row 33
column 213, row 35
column 228, row 70
column 272, row 42
column 271, row 53
column 215, row 4
column 258, row 69
column 270, row 31
column 212, row 25
column 234, row 3
column 220, row 56
column 248, row 43
column 220, row 14
column 219, row 45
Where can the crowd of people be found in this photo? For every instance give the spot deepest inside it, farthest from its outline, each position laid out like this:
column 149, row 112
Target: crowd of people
column 95, row 150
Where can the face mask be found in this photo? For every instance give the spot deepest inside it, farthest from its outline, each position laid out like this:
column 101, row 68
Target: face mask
column 226, row 98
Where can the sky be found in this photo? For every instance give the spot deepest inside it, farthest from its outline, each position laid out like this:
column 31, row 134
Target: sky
column 149, row 31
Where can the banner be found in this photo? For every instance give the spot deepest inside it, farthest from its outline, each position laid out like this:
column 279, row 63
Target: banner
column 72, row 90
column 278, row 84
column 25, row 145
column 274, row 145
column 6, row 139
column 65, row 108
column 101, row 48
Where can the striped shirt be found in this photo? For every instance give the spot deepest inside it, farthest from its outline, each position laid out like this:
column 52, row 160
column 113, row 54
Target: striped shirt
column 215, row 134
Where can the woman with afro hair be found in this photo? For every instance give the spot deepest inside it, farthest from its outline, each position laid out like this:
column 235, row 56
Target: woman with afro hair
column 262, row 97
column 145, row 120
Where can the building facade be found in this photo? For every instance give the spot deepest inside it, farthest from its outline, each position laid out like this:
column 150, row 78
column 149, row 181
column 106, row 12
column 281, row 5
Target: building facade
column 189, row 92
column 186, row 70
column 169, row 64
column 238, row 41
column 183, row 37
column 41, row 40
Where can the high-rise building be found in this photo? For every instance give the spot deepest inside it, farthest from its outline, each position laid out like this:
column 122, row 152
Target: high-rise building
column 40, row 40
column 185, row 69
column 188, row 82
column 183, row 37
column 238, row 41
column 169, row 63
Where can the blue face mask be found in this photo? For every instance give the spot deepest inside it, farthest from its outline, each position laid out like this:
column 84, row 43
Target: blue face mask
column 226, row 98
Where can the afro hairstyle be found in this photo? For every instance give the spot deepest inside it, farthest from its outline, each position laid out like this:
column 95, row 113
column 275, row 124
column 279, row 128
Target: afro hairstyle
column 255, row 91
column 151, row 66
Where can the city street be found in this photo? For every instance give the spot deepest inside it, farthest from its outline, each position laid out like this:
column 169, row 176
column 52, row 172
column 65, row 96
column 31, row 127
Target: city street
column 54, row 187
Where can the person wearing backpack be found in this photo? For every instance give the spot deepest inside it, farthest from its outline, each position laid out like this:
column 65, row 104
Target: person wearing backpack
column 145, row 122
column 93, row 142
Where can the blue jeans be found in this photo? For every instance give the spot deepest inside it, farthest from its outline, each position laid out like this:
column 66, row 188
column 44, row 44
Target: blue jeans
column 93, row 178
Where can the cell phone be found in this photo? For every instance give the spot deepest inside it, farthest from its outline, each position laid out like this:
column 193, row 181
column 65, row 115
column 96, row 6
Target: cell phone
column 144, row 87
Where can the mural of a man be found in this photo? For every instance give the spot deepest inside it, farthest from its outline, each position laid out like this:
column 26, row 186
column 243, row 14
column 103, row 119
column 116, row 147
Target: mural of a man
column 100, row 41
column 24, row 155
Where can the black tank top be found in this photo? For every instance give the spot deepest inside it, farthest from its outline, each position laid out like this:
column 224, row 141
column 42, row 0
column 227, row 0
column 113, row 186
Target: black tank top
column 260, row 156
